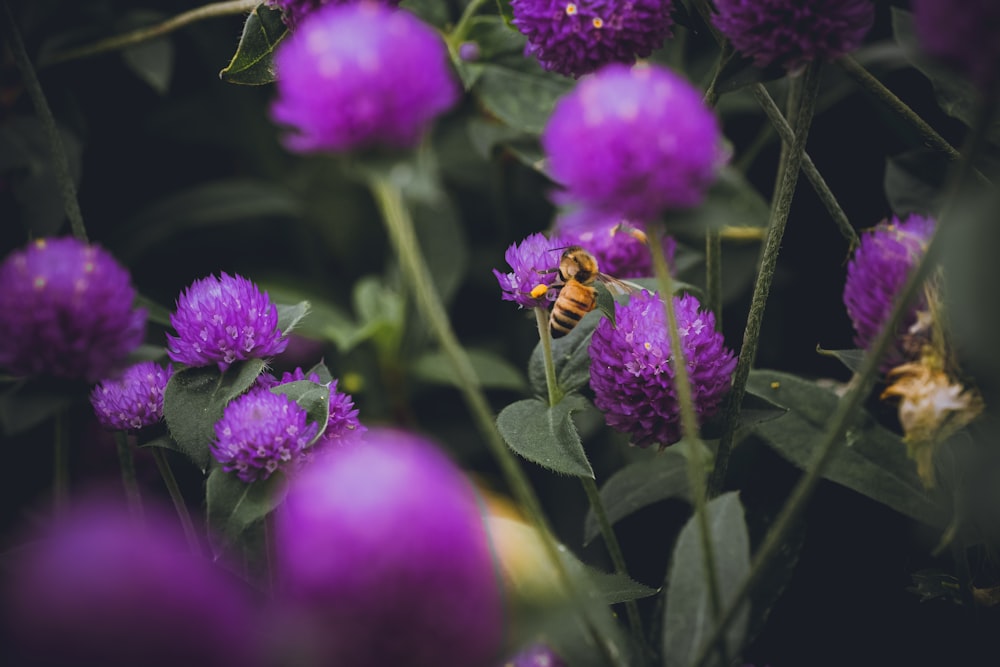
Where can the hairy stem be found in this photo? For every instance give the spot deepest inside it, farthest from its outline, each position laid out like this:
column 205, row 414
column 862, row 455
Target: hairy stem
column 178, row 500
column 545, row 337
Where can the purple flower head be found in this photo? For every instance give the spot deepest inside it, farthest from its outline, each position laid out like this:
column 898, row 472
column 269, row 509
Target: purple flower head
column 293, row 11
column 100, row 589
column 538, row 655
column 134, row 400
column 962, row 33
column 359, row 75
column 383, row 549
column 66, row 311
column 576, row 38
column 880, row 266
column 261, row 432
column 342, row 426
column 634, row 142
column 793, row 33
column 535, row 262
column 224, row 320
column 620, row 249
column 632, row 370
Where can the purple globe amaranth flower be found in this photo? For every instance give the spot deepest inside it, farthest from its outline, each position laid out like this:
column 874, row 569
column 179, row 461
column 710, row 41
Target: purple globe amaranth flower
column 535, row 261
column 538, row 655
column 261, row 432
column 576, row 38
column 223, row 320
column 293, row 11
column 134, row 400
column 383, row 550
column 621, row 250
column 98, row 588
column 66, row 311
column 793, row 33
column 634, row 142
column 880, row 266
column 962, row 33
column 632, row 369
column 360, row 75
column 342, row 426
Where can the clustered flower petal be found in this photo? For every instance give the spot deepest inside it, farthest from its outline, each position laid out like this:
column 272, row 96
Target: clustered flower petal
column 576, row 38
column 538, row 655
column 621, row 250
column 261, row 432
column 632, row 369
column 383, row 550
column 293, row 11
column 792, row 33
column 634, row 142
column 963, row 33
column 359, row 75
column 535, row 261
column 223, row 320
column 66, row 311
column 134, row 400
column 880, row 266
column 342, row 426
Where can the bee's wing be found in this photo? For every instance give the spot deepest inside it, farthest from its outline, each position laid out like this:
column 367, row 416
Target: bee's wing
column 616, row 286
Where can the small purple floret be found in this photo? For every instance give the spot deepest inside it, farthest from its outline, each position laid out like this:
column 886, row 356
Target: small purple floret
column 224, row 320
column 621, row 250
column 535, row 261
column 66, row 311
column 632, row 369
column 134, row 400
column 634, row 142
column 539, row 655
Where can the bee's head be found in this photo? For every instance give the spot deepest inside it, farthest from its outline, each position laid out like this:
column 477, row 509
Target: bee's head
column 577, row 264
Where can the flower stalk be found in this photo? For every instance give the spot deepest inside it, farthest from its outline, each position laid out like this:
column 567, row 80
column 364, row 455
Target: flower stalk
column 127, row 464
column 178, row 500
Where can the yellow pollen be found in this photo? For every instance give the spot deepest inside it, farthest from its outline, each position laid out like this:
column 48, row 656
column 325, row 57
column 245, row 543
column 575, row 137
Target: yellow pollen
column 40, row 243
column 571, row 9
column 598, row 23
column 775, row 385
column 538, row 290
column 648, row 346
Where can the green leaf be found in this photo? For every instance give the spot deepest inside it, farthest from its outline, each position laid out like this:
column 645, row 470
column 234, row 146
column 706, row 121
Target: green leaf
column 606, row 301
column 732, row 200
column 546, row 435
column 915, row 180
column 29, row 403
column 521, row 99
column 195, row 399
column 493, row 371
column 311, row 397
column 689, row 619
column 153, row 62
column 874, row 462
column 571, row 356
column 851, row 359
column 617, row 588
column 494, row 37
column 252, row 63
column 289, row 316
column 233, row 505
column 658, row 476
column 754, row 410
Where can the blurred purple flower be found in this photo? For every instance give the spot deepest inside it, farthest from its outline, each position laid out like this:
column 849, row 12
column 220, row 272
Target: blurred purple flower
column 342, row 426
column 634, row 142
column 100, row 589
column 293, row 11
column 224, row 320
column 133, row 400
column 792, row 33
column 963, row 33
column 383, row 550
column 538, row 655
column 620, row 249
column 576, row 38
column 632, row 369
column 880, row 266
column 535, row 261
column 357, row 75
column 261, row 432
column 66, row 311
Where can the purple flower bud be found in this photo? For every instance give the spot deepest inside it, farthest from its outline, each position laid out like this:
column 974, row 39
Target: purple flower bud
column 468, row 51
column 359, row 75
column 260, row 433
column 100, row 589
column 634, row 142
column 963, row 33
column 632, row 368
column 576, row 38
column 224, row 320
column 293, row 11
column 621, row 251
column 792, row 33
column 535, row 261
column 539, row 655
column 133, row 400
column 66, row 311
column 383, row 550
column 880, row 266
column 342, row 426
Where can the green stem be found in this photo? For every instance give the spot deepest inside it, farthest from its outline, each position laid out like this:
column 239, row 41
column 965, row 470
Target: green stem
column 127, row 464
column 458, row 33
column 134, row 37
column 713, row 274
column 60, row 161
column 404, row 239
column 689, row 425
column 788, row 172
column 60, row 463
column 175, row 495
column 545, row 336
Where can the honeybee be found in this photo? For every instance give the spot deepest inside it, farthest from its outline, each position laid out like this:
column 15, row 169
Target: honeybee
column 578, row 271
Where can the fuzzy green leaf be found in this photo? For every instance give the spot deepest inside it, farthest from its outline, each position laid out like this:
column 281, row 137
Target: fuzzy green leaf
column 289, row 316
column 233, row 505
column 313, row 398
column 689, row 619
column 493, row 371
column 153, row 62
column 521, row 99
column 546, row 435
column 252, row 64
column 617, row 588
